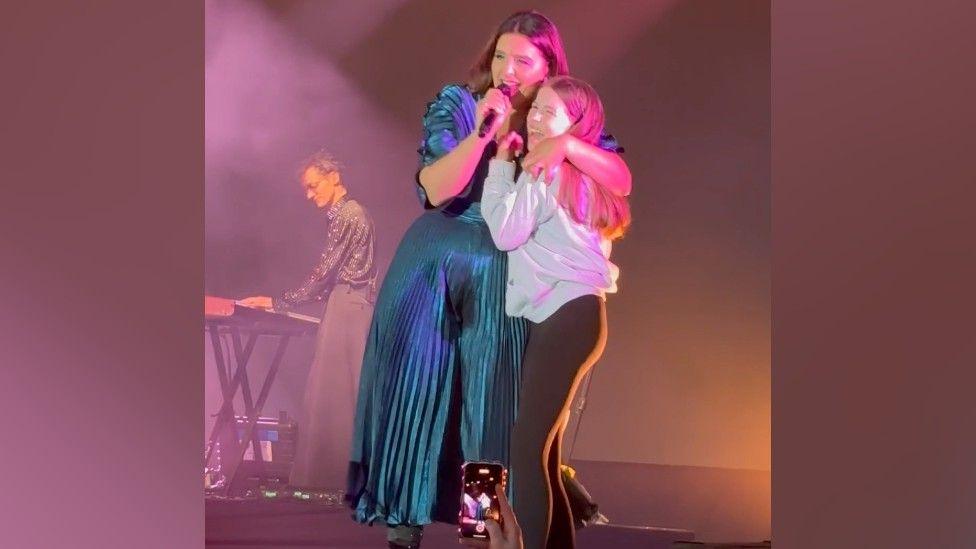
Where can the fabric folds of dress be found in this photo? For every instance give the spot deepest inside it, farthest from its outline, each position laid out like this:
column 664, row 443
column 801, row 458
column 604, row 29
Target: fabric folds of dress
column 441, row 370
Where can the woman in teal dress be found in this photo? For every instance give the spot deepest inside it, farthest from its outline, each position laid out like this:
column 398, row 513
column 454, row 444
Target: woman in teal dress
column 442, row 365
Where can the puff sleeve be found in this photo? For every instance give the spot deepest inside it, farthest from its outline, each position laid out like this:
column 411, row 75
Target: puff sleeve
column 449, row 118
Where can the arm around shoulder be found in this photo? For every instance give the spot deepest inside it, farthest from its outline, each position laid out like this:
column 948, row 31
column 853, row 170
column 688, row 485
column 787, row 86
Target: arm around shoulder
column 606, row 168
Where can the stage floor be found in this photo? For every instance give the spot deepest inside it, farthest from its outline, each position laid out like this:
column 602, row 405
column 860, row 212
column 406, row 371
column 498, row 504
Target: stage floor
column 715, row 505
column 274, row 524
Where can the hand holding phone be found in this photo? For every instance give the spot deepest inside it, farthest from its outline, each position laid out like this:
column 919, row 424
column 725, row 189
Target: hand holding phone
column 481, row 482
column 506, row 535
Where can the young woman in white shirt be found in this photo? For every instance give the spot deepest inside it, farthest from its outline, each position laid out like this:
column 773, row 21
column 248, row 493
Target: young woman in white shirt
column 557, row 235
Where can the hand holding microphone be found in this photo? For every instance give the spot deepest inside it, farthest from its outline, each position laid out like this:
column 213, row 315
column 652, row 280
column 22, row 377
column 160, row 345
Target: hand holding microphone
column 493, row 109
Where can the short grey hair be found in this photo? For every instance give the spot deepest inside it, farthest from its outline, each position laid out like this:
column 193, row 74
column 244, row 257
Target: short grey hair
column 322, row 161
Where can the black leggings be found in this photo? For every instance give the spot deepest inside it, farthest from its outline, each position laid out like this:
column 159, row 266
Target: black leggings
column 560, row 351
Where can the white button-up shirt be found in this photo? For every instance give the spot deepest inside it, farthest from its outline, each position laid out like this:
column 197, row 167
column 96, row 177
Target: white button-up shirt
column 552, row 259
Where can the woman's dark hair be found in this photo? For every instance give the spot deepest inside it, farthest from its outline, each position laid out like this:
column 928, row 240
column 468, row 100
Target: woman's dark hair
column 539, row 30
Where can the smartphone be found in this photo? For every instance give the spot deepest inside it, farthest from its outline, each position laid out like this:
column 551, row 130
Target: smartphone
column 478, row 498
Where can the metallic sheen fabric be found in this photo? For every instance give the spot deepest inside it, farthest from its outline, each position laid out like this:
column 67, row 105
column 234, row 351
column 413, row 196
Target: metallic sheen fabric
column 347, row 258
column 442, row 367
column 441, row 370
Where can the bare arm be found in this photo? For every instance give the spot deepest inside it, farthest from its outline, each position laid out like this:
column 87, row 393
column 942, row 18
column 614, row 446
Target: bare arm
column 604, row 167
column 448, row 175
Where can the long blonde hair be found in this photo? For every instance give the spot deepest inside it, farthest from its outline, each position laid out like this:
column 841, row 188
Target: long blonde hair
column 590, row 204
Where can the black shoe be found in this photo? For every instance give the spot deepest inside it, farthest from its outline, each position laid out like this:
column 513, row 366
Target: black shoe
column 404, row 536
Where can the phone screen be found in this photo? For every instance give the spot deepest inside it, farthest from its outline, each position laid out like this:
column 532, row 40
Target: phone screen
column 478, row 498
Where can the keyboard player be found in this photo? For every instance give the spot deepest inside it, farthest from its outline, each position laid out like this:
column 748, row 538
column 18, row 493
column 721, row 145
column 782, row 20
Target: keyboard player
column 345, row 279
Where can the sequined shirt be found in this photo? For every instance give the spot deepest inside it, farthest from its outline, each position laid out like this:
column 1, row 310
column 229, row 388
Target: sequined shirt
column 347, row 259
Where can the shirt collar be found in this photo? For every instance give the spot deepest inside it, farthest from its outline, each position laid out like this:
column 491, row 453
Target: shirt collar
column 334, row 209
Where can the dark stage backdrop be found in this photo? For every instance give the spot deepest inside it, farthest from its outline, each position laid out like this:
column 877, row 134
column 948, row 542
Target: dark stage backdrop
column 685, row 379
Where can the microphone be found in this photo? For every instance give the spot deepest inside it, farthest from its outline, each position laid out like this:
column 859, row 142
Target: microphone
column 486, row 124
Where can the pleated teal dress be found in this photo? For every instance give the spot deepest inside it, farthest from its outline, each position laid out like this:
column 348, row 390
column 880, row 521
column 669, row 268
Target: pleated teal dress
column 441, row 369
